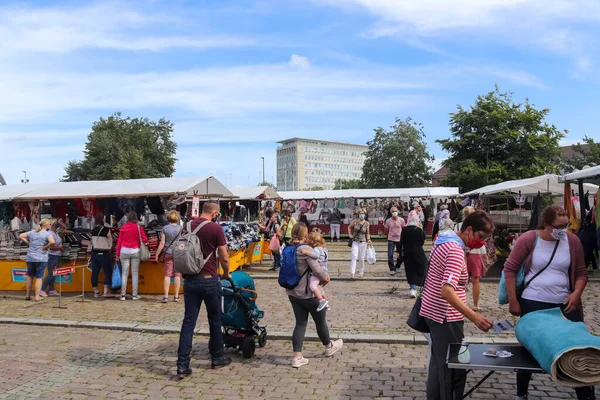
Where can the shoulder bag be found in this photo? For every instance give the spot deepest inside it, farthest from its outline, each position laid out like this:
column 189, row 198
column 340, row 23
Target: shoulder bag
column 354, row 235
column 163, row 253
column 144, row 251
column 415, row 320
column 102, row 243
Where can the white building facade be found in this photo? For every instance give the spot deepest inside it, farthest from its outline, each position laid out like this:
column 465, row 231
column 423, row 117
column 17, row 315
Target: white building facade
column 308, row 163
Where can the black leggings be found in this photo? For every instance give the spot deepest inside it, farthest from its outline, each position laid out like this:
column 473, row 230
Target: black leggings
column 527, row 306
column 302, row 307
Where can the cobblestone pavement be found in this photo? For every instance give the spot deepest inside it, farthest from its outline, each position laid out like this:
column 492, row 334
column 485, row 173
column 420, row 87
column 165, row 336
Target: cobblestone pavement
column 358, row 307
column 62, row 363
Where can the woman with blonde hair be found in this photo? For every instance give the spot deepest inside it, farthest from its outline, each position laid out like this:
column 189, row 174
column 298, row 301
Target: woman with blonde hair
column 361, row 236
column 39, row 241
column 168, row 238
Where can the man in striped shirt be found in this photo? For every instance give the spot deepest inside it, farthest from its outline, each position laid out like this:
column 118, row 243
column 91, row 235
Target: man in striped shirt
column 443, row 304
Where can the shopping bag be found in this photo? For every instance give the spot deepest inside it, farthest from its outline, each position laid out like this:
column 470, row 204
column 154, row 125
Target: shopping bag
column 116, row 277
column 371, row 255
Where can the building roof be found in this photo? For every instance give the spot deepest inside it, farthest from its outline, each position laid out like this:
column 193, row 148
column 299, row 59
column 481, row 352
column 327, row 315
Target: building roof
column 205, row 186
column 322, row 141
column 440, row 173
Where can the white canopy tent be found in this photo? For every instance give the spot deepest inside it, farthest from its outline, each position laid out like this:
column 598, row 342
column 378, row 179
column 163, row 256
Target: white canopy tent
column 548, row 184
column 204, row 186
column 591, row 174
column 436, row 192
column 255, row 193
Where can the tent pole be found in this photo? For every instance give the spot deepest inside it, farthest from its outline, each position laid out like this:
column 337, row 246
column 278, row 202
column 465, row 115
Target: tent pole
column 581, row 198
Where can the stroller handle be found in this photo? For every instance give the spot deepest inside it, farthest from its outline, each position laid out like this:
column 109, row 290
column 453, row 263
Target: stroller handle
column 235, row 288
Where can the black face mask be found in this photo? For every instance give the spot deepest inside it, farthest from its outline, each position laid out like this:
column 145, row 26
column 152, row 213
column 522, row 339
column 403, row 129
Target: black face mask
column 216, row 218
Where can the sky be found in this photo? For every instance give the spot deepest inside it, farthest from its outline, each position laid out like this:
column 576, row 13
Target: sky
column 235, row 77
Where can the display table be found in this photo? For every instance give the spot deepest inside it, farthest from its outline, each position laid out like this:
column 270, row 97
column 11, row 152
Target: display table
column 12, row 273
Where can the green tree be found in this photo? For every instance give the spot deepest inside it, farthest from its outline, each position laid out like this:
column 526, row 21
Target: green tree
column 341, row 184
column 497, row 140
column 586, row 154
column 125, row 148
column 398, row 157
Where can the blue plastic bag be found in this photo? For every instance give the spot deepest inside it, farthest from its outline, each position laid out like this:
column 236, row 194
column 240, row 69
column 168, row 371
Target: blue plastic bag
column 116, row 277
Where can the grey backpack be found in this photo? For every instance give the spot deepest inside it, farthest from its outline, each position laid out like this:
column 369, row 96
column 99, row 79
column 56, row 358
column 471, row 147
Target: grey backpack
column 187, row 252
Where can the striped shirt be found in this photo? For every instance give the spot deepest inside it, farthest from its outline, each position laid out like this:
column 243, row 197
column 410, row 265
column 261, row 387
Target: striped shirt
column 447, row 266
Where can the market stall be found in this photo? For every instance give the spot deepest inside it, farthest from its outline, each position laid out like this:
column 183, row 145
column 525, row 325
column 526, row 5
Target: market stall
column 319, row 204
column 75, row 203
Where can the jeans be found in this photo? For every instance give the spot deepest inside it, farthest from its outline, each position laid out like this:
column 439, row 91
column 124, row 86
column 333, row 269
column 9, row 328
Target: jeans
column 303, row 307
column 397, row 246
column 334, row 230
column 441, row 383
column 197, row 289
column 523, row 378
column 48, row 282
column 276, row 259
column 126, row 261
column 101, row 261
column 358, row 253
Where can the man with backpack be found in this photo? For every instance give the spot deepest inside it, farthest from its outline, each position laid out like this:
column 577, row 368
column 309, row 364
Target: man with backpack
column 202, row 283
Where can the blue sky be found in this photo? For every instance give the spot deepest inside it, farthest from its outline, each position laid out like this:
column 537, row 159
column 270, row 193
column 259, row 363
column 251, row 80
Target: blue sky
column 237, row 76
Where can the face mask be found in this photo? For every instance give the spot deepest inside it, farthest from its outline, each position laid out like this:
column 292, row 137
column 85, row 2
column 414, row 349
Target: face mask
column 394, row 214
column 215, row 217
column 559, row 234
column 476, row 243
column 361, row 216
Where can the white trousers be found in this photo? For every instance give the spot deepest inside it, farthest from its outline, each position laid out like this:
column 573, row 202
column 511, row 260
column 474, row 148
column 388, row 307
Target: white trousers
column 335, row 231
column 359, row 251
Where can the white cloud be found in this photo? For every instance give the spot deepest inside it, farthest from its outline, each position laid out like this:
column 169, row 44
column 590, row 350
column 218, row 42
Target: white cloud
column 299, row 61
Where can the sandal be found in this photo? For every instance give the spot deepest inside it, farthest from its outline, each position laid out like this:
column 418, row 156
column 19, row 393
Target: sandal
column 176, row 299
column 165, row 300
column 28, row 298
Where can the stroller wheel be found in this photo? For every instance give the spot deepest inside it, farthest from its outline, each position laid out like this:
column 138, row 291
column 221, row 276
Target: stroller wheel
column 262, row 339
column 248, row 346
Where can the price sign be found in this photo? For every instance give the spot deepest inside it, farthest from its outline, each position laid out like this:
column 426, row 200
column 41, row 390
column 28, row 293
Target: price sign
column 520, row 200
column 196, row 206
column 63, row 271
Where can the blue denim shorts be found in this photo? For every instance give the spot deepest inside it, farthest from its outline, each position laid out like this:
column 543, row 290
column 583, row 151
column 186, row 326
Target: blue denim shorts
column 36, row 269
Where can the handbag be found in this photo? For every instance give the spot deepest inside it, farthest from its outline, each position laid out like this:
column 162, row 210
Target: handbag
column 371, row 255
column 144, row 251
column 415, row 320
column 161, row 256
column 520, row 279
column 102, row 243
column 116, row 281
column 274, row 244
column 353, row 236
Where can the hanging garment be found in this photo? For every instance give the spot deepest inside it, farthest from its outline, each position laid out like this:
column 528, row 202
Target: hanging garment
column 453, row 208
column 72, row 212
column 113, row 208
column 7, row 212
column 155, row 205
column 15, row 224
column 22, row 210
column 597, row 209
column 34, row 207
column 89, row 205
column 536, row 213
column 140, row 206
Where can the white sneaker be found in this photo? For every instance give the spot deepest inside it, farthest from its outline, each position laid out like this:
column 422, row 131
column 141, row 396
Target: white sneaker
column 298, row 362
column 392, row 273
column 136, row 297
column 322, row 304
column 413, row 294
column 336, row 345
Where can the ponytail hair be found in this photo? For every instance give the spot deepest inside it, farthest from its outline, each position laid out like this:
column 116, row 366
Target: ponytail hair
column 44, row 223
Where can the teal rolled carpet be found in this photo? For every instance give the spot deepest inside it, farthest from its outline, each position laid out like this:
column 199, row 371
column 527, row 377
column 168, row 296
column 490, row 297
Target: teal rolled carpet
column 564, row 349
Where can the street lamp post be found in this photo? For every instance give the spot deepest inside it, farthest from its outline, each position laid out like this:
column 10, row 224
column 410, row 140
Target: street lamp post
column 25, row 180
column 263, row 160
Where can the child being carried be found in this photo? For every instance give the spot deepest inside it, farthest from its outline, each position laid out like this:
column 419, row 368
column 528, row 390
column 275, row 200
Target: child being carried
column 319, row 253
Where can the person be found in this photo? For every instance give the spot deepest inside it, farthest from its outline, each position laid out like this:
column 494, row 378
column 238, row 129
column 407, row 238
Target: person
column 415, row 261
column 303, row 218
column 274, row 243
column 39, row 241
column 418, row 211
column 443, row 302
column 442, row 212
column 54, row 254
column 319, row 253
column 335, row 222
column 304, row 301
column 128, row 252
column 557, row 256
column 101, row 259
column 287, row 226
column 393, row 229
column 168, row 238
column 205, row 287
column 359, row 232
column 475, row 262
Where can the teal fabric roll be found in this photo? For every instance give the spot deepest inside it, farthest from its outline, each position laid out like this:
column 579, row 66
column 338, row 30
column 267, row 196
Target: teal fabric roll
column 564, row 349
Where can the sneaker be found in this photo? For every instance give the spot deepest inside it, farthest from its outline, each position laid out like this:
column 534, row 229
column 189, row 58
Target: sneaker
column 43, row 294
column 96, row 293
column 220, row 363
column 413, row 294
column 122, row 298
column 165, row 300
column 336, row 345
column 52, row 293
column 184, row 373
column 298, row 362
column 136, row 297
column 322, row 304
column 392, row 273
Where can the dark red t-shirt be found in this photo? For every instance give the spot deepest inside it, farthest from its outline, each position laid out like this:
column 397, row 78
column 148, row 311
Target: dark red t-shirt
column 211, row 237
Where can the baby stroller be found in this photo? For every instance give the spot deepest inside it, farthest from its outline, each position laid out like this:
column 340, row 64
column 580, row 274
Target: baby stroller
column 241, row 315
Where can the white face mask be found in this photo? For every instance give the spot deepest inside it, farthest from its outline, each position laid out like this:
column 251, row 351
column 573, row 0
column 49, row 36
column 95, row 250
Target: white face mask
column 395, row 214
column 559, row 234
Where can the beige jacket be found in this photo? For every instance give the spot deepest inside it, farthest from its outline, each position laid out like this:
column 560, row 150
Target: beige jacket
column 302, row 291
